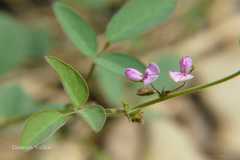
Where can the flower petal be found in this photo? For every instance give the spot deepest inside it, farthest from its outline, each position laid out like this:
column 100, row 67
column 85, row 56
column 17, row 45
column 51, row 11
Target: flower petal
column 133, row 74
column 151, row 73
column 152, row 69
column 149, row 79
column 186, row 64
column 180, row 77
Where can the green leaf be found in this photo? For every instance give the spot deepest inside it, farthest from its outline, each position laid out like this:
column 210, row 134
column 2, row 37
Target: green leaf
column 111, row 69
column 112, row 93
column 167, row 62
column 39, row 127
column 73, row 82
column 17, row 42
column 95, row 116
column 138, row 16
column 122, row 90
column 81, row 34
column 117, row 62
column 15, row 103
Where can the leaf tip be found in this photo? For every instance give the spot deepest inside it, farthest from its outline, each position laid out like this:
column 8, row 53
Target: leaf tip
column 49, row 59
column 46, row 58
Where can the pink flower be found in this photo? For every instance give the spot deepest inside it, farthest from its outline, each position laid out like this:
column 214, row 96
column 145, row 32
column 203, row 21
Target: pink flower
column 151, row 74
column 185, row 70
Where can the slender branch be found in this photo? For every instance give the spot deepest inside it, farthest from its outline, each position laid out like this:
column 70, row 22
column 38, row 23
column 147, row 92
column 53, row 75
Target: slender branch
column 156, row 90
column 179, row 87
column 12, row 121
column 89, row 75
column 112, row 112
column 184, row 92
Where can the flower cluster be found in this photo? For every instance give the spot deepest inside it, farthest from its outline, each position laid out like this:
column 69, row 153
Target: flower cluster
column 152, row 72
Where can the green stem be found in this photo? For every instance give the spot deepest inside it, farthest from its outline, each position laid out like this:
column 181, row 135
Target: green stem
column 106, row 45
column 112, row 112
column 91, row 72
column 71, row 113
column 179, row 87
column 184, row 92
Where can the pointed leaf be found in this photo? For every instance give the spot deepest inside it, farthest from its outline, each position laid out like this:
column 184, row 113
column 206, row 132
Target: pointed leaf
column 39, row 127
column 95, row 116
column 138, row 16
column 73, row 82
column 117, row 62
column 81, row 34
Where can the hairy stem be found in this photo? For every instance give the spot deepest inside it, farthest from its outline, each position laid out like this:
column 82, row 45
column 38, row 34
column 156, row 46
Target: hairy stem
column 184, row 92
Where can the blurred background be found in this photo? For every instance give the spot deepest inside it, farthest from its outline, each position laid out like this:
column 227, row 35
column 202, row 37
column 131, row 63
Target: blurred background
column 202, row 126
